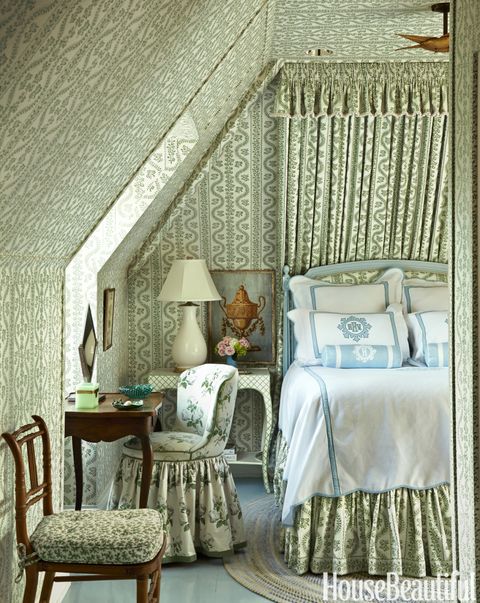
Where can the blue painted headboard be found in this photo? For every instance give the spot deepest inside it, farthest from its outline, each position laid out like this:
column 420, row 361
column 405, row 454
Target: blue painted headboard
column 332, row 269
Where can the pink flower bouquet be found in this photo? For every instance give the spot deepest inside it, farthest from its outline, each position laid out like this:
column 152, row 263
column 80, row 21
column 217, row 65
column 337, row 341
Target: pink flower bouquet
column 231, row 346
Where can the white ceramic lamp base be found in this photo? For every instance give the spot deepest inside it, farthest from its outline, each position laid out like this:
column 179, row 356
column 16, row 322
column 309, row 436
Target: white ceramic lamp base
column 189, row 348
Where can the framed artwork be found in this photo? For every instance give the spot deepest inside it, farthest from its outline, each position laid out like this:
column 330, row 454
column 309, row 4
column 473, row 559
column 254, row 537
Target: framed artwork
column 108, row 308
column 88, row 347
column 245, row 310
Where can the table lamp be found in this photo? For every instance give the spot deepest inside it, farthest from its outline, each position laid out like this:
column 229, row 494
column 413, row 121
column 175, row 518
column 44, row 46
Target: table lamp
column 189, row 281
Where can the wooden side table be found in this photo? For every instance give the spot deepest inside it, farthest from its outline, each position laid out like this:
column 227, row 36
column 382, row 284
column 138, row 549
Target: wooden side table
column 257, row 379
column 106, row 424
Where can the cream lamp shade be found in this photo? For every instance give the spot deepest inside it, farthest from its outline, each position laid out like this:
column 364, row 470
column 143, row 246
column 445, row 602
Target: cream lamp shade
column 189, row 281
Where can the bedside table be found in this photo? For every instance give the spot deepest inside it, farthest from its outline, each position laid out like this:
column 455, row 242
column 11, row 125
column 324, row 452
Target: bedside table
column 257, row 379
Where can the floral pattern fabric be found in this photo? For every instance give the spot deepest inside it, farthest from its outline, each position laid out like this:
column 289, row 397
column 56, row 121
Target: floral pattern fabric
column 99, row 537
column 191, row 486
column 197, row 501
column 403, row 530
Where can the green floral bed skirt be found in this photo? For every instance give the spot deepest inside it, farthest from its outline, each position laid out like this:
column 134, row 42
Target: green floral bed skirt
column 403, row 531
column 197, row 500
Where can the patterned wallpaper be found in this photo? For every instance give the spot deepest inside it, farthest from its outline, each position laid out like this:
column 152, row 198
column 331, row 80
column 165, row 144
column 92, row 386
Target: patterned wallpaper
column 31, row 296
column 81, row 284
column 465, row 371
column 228, row 217
column 356, row 30
column 88, row 90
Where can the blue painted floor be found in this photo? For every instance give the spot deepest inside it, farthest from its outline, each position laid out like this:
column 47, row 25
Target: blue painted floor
column 204, row 581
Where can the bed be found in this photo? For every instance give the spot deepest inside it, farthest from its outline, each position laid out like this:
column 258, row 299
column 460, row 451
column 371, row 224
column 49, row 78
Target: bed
column 362, row 465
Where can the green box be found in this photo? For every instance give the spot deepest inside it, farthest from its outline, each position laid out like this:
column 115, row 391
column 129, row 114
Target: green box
column 86, row 395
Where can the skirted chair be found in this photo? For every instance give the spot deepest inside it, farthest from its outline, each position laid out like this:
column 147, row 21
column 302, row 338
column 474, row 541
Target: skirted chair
column 191, row 486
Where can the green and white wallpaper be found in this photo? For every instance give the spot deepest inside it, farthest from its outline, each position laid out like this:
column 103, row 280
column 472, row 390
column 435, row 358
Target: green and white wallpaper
column 87, row 92
column 31, row 317
column 465, row 207
column 228, row 217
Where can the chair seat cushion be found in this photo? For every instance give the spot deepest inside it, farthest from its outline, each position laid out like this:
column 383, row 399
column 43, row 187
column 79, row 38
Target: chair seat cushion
column 166, row 446
column 99, row 537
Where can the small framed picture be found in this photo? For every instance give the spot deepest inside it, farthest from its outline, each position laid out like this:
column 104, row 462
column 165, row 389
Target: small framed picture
column 108, row 308
column 247, row 309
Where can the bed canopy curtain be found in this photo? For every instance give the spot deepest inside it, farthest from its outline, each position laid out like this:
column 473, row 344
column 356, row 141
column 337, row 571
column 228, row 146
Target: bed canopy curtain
column 363, row 162
column 363, row 152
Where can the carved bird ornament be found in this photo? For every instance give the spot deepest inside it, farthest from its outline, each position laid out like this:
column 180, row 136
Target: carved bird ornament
column 432, row 43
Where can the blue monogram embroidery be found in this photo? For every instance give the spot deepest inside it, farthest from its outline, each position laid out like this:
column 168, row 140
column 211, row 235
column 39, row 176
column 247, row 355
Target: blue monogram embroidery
column 354, row 328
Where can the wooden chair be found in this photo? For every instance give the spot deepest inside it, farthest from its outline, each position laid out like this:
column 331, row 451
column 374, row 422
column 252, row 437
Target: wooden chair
column 105, row 545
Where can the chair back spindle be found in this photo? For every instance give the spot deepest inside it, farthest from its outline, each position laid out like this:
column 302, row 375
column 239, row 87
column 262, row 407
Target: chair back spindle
column 26, row 498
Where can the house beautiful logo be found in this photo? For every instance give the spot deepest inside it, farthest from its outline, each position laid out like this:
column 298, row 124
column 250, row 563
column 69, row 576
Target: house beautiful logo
column 396, row 588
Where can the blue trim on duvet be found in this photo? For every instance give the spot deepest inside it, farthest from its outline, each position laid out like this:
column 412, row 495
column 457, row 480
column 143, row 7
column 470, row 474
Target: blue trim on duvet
column 328, row 424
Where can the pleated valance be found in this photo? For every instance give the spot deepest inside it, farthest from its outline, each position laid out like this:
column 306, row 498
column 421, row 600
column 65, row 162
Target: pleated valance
column 319, row 89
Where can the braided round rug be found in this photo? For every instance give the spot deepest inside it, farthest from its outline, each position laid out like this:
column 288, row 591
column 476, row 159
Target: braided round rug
column 260, row 566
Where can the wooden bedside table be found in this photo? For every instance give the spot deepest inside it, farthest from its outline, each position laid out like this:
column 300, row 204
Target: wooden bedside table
column 106, row 424
column 257, row 379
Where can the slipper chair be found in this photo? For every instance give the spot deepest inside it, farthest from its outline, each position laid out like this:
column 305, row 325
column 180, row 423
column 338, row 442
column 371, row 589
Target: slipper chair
column 191, row 487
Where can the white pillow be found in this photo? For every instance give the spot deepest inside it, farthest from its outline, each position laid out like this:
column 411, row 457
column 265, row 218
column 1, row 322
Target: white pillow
column 422, row 296
column 425, row 328
column 327, row 297
column 314, row 330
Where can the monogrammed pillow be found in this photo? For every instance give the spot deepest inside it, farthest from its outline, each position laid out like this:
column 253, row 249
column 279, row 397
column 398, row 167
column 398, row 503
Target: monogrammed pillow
column 315, row 330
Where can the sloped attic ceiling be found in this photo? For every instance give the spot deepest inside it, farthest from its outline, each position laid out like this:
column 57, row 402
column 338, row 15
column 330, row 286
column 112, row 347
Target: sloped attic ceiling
column 356, row 30
column 88, row 89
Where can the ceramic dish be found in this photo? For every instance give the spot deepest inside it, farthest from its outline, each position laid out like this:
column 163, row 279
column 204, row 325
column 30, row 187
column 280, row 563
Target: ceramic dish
column 128, row 404
column 136, row 392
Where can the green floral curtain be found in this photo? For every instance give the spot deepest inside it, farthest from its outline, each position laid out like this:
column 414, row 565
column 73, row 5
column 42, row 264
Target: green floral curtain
column 355, row 188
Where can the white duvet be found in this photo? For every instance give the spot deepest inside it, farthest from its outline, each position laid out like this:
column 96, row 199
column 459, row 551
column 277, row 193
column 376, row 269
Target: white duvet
column 363, row 429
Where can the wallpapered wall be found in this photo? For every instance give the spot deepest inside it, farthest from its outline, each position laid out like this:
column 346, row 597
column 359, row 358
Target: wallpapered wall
column 228, row 217
column 81, row 286
column 127, row 224
column 31, row 299
column 99, row 84
column 87, row 91
column 356, row 30
column 465, row 371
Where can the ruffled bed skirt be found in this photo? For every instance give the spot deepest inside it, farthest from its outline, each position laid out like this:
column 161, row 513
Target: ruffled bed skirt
column 403, row 531
column 197, row 500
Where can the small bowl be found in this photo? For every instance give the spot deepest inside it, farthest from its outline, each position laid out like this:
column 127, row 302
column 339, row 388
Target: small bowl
column 136, row 392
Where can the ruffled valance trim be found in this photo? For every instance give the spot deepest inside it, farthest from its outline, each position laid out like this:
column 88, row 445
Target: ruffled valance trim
column 341, row 89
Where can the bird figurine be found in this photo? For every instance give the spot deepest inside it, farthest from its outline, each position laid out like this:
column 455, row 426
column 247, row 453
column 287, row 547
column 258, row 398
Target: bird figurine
column 432, row 43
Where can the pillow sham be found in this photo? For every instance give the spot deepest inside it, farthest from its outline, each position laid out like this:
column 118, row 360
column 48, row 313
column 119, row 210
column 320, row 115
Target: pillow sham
column 328, row 297
column 315, row 330
column 437, row 354
column 362, row 356
column 422, row 296
column 426, row 328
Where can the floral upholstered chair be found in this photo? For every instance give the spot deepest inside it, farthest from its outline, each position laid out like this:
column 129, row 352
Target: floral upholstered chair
column 191, row 486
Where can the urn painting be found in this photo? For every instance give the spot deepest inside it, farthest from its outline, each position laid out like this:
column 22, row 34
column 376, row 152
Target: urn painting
column 245, row 310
